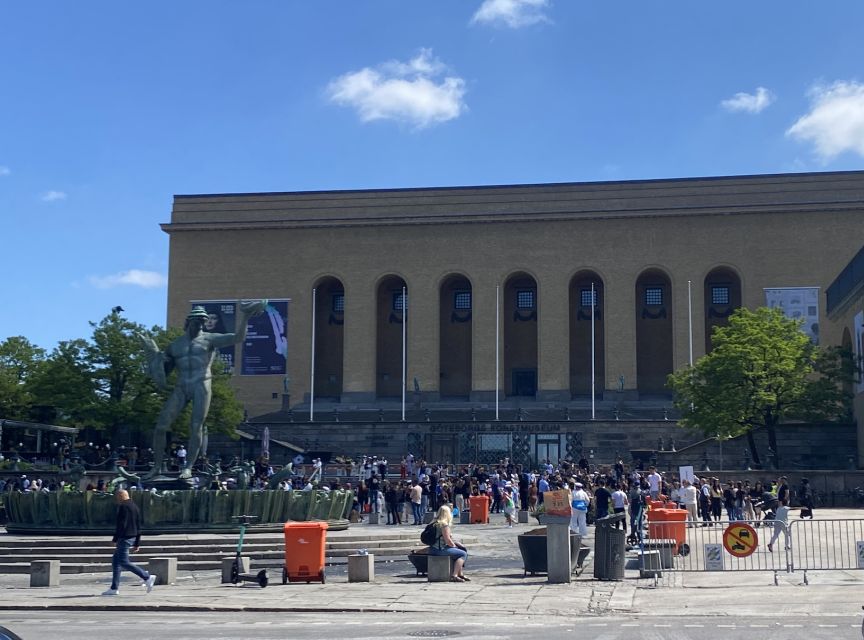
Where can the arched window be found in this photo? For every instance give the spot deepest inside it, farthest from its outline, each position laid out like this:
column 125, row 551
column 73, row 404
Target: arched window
column 455, row 326
column 519, row 315
column 722, row 297
column 329, row 337
column 581, row 303
column 391, row 314
column 653, row 332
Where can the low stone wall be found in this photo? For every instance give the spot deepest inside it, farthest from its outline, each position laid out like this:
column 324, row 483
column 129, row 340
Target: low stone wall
column 190, row 511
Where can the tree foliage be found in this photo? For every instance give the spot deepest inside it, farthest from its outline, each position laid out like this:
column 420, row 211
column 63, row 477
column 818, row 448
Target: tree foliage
column 761, row 371
column 101, row 383
column 18, row 360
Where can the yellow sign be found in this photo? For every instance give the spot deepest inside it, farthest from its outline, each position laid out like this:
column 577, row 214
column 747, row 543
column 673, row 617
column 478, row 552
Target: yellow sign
column 740, row 539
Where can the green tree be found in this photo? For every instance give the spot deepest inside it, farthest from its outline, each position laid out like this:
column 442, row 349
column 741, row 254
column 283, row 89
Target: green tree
column 18, row 361
column 762, row 370
column 102, row 383
column 62, row 387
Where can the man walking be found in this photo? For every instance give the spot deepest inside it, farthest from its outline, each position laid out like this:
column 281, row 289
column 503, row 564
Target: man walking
column 127, row 535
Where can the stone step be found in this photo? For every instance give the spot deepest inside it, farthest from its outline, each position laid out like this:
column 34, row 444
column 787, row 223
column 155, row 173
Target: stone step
column 226, row 546
column 207, row 564
column 163, row 541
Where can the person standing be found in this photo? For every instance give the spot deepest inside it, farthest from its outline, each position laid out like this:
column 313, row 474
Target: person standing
column 127, row 536
column 619, row 504
column 602, row 496
column 579, row 504
column 417, row 502
column 654, row 482
column 689, row 498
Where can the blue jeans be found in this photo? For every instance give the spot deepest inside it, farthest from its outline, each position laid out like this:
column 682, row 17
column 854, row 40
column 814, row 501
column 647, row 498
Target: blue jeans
column 120, row 560
column 418, row 513
column 456, row 552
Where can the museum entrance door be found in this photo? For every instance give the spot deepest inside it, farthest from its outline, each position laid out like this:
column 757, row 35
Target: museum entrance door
column 525, row 382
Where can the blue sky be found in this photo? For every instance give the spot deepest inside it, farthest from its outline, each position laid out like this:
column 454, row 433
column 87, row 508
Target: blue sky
column 108, row 109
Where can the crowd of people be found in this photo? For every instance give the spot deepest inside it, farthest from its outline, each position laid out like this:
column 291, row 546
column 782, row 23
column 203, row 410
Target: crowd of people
column 595, row 491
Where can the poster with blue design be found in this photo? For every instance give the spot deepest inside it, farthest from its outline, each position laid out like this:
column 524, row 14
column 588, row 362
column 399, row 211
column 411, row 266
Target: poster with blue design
column 220, row 319
column 265, row 350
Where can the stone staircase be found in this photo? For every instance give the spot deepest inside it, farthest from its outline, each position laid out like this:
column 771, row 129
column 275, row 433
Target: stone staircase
column 197, row 553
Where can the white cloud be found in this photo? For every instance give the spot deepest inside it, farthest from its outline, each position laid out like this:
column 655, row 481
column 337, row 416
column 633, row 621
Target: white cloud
column 402, row 91
column 4, row 171
column 53, row 196
column 133, row 277
column 749, row 102
column 835, row 123
column 512, row 13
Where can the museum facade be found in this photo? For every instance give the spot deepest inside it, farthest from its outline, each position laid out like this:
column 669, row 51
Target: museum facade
column 511, row 287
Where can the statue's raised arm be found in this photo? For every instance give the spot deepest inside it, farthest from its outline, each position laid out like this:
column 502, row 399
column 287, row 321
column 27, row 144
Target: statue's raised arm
column 245, row 310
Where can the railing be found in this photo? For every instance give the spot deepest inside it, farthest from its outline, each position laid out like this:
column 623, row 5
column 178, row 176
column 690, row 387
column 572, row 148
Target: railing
column 801, row 545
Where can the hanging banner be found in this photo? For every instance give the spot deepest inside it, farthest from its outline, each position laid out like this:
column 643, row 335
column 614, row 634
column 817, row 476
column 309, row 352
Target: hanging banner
column 220, row 320
column 265, row 349
column 798, row 303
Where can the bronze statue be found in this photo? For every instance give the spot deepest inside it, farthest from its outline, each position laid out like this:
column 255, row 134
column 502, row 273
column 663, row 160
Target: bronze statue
column 192, row 354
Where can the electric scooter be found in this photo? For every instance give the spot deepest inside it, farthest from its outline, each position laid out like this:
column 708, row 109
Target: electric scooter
column 236, row 575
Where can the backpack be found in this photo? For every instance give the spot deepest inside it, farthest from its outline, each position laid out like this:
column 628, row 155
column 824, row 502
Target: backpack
column 429, row 535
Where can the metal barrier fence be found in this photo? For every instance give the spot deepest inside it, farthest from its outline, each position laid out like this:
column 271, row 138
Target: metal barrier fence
column 802, row 545
column 826, row 545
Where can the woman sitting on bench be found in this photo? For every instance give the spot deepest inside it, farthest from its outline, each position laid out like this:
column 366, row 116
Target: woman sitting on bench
column 445, row 545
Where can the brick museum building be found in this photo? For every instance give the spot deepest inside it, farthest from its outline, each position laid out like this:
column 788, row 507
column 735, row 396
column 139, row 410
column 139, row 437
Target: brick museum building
column 490, row 287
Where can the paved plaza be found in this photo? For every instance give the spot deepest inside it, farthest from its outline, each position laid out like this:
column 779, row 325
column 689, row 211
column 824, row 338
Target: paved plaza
column 497, row 582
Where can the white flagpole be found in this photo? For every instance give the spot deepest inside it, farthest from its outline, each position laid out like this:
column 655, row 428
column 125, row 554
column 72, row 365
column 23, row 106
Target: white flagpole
column 593, row 394
column 312, row 369
column 404, row 362
column 690, row 319
column 497, row 356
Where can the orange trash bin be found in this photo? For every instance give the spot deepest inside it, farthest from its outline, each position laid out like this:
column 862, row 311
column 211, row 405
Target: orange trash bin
column 479, row 508
column 304, row 551
column 668, row 524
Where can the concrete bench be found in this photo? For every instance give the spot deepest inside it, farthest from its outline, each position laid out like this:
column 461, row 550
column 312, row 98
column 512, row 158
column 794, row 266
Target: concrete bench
column 439, row 568
column 361, row 568
column 165, row 570
column 666, row 548
column 45, row 573
column 227, row 563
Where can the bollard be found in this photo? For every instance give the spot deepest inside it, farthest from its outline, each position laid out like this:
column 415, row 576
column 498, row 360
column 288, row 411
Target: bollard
column 465, row 517
column 523, row 517
column 438, row 568
column 361, row 568
column 558, row 550
column 165, row 570
column 45, row 573
column 376, row 518
column 428, row 517
column 227, row 563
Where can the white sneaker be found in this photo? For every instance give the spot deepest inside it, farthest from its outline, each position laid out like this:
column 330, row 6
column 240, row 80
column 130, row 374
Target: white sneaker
column 148, row 584
column 111, row 592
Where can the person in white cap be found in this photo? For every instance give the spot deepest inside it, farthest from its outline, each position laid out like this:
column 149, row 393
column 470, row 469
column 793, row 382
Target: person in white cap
column 579, row 502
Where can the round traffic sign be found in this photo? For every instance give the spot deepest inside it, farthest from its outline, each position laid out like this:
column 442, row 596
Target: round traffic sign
column 740, row 539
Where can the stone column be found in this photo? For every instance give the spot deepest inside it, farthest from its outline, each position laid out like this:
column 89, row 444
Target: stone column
column 558, row 549
column 358, row 355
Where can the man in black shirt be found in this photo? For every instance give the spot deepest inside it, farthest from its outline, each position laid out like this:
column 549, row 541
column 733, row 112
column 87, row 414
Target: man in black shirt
column 127, row 535
column 602, row 496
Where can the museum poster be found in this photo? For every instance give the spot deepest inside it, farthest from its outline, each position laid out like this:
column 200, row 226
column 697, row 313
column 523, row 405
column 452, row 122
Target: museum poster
column 798, row 303
column 220, row 320
column 265, row 349
column 858, row 349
